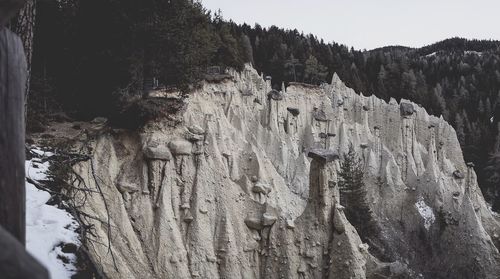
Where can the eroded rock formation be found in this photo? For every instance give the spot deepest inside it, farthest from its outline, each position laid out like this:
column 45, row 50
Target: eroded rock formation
column 246, row 187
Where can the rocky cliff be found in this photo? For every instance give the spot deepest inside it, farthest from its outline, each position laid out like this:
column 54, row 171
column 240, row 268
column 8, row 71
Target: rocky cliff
column 246, row 187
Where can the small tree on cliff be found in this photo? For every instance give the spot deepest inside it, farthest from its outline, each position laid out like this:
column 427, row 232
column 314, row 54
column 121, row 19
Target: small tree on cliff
column 353, row 195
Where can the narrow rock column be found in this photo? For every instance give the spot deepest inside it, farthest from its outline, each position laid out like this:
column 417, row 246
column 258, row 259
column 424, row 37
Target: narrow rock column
column 157, row 158
column 407, row 112
column 292, row 120
column 274, row 97
column 377, row 144
column 431, row 165
column 470, row 179
column 181, row 151
column 321, row 192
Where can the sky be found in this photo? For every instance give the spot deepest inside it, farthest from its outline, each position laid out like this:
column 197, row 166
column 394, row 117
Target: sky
column 369, row 24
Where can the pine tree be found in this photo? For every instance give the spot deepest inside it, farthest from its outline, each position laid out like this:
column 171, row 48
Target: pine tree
column 492, row 171
column 421, row 90
column 291, row 67
column 228, row 52
column 439, row 102
column 247, row 50
column 382, row 91
column 409, row 84
column 488, row 108
column 314, row 71
column 460, row 128
column 353, row 195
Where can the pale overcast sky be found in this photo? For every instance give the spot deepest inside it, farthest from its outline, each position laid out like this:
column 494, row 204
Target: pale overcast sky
column 371, row 23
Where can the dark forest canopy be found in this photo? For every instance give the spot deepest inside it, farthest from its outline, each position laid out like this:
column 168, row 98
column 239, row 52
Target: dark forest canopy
column 91, row 58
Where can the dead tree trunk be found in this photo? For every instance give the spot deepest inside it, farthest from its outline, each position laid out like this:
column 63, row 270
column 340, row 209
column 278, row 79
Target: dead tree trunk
column 12, row 89
column 24, row 26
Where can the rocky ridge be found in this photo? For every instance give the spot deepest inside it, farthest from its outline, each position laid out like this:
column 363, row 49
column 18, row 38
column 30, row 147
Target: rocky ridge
column 247, row 187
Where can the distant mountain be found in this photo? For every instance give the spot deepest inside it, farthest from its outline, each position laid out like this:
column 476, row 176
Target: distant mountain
column 392, row 48
column 460, row 44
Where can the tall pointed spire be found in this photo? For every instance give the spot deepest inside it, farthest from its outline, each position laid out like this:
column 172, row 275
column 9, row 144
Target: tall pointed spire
column 335, row 79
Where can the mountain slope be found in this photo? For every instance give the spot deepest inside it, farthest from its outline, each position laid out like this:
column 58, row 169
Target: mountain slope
column 231, row 192
column 456, row 78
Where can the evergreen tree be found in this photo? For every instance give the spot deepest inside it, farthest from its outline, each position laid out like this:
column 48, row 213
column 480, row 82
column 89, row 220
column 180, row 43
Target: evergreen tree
column 314, row 71
column 409, row 84
column 488, row 108
column 291, row 66
column 421, row 89
column 381, row 81
column 439, row 102
column 247, row 49
column 481, row 109
column 492, row 170
column 228, row 52
column 353, row 195
column 460, row 128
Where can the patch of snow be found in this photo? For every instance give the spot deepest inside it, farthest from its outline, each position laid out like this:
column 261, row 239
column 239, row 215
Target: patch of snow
column 47, row 227
column 426, row 212
column 40, row 152
column 431, row 54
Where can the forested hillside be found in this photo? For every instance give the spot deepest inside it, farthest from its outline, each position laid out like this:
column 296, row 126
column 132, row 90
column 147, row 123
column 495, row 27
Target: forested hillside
column 95, row 55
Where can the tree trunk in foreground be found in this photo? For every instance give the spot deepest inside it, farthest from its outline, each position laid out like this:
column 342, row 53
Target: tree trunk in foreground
column 12, row 178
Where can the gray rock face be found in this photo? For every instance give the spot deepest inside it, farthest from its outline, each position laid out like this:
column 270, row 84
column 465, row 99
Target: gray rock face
column 406, row 109
column 125, row 187
column 338, row 225
column 458, row 174
column 268, row 219
column 275, row 95
column 254, row 222
column 294, row 111
column 257, row 204
column 197, row 130
column 180, row 147
column 157, row 153
column 320, row 115
column 323, row 155
column 263, row 188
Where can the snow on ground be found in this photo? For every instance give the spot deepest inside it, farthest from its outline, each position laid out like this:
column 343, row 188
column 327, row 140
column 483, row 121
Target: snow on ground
column 426, row 213
column 47, row 227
